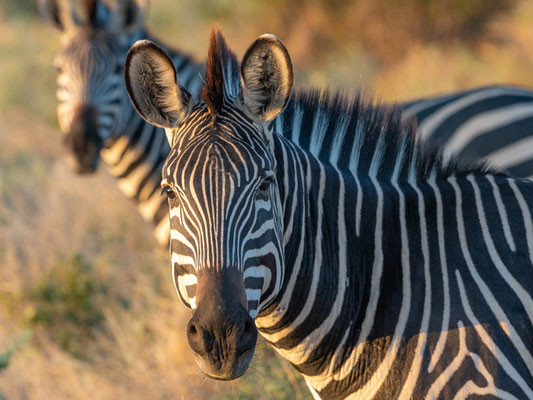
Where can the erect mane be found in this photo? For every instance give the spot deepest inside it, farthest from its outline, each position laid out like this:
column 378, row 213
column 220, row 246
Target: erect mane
column 366, row 139
column 222, row 73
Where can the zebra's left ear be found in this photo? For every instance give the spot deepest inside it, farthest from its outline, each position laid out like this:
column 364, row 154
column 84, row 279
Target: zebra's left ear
column 152, row 84
column 129, row 15
column 266, row 73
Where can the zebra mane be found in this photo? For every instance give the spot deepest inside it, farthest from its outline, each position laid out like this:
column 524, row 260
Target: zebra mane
column 222, row 79
column 367, row 139
column 352, row 134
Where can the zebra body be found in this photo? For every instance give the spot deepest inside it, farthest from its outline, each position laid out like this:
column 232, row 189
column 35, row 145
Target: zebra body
column 378, row 268
column 377, row 307
column 94, row 111
column 493, row 123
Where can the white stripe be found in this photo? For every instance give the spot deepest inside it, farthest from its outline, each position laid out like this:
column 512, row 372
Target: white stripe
column 526, row 217
column 485, row 122
column 513, row 154
column 254, row 272
column 423, row 104
column 253, row 294
column 416, row 365
column 430, row 124
column 443, row 335
column 189, row 279
column 503, row 213
column 180, row 259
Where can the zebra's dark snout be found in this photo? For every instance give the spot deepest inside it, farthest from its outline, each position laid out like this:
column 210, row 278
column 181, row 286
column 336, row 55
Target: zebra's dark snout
column 240, row 333
column 83, row 141
column 221, row 332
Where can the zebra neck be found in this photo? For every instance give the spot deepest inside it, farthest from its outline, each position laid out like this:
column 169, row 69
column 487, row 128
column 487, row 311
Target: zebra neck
column 323, row 293
column 342, row 250
column 135, row 158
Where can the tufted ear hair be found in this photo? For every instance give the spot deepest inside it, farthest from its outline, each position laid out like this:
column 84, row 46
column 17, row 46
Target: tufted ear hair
column 58, row 13
column 129, row 15
column 266, row 74
column 152, row 85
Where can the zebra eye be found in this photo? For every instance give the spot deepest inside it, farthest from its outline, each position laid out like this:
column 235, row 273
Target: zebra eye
column 169, row 192
column 265, row 185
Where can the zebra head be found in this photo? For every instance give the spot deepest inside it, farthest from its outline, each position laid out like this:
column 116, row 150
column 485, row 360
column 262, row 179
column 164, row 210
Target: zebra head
column 90, row 89
column 220, row 179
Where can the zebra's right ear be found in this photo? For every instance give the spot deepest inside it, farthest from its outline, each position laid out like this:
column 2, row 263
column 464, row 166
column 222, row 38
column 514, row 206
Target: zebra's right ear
column 266, row 73
column 58, row 13
column 153, row 87
column 129, row 15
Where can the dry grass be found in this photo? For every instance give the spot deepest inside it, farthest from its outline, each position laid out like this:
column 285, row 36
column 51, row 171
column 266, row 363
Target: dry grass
column 48, row 214
column 116, row 330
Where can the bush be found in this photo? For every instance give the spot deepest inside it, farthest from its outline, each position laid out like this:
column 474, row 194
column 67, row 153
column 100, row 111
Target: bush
column 64, row 303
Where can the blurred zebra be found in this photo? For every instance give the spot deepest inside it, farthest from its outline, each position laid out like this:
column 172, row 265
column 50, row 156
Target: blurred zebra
column 94, row 111
column 493, row 123
column 378, row 268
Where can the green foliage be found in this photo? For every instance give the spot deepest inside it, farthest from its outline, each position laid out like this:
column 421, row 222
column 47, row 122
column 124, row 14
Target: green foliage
column 6, row 356
column 65, row 303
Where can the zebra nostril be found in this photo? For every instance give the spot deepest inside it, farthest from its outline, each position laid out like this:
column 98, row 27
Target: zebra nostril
column 248, row 336
column 195, row 338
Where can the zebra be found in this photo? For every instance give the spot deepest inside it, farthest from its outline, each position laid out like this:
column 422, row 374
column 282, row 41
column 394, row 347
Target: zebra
column 377, row 266
column 94, row 111
column 97, row 120
column 492, row 123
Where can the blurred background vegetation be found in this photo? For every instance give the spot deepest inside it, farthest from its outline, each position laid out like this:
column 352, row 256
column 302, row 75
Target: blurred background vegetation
column 87, row 306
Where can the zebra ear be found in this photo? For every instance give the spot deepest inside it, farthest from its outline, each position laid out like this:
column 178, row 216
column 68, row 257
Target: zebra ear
column 98, row 13
column 266, row 73
column 129, row 15
column 58, row 13
column 152, row 85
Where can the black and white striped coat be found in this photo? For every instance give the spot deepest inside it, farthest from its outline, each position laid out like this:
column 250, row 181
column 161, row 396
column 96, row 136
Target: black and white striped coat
column 396, row 273
column 91, row 94
column 493, row 123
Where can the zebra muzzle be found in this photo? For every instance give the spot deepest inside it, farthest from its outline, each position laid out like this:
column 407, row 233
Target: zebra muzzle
column 221, row 332
column 83, row 141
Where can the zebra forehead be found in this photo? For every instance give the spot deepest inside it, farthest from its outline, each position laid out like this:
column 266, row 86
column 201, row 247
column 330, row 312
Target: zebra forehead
column 224, row 141
column 218, row 159
column 88, row 37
